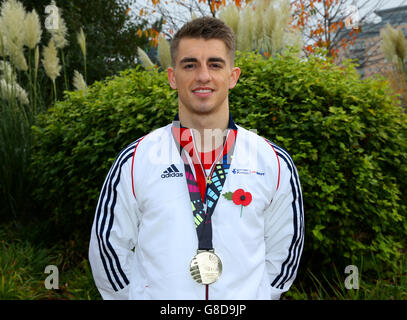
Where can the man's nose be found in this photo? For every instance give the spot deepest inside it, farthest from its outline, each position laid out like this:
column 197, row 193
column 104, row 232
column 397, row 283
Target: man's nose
column 203, row 74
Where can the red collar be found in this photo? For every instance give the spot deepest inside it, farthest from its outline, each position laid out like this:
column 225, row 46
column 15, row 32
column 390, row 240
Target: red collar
column 208, row 158
column 184, row 137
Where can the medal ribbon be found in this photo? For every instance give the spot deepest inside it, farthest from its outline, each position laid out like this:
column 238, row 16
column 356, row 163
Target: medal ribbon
column 202, row 217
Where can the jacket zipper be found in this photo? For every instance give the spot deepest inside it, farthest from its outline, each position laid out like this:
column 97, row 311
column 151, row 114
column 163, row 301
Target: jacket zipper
column 208, row 180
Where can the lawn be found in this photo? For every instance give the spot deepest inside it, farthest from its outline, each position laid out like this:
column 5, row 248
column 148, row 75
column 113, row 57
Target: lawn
column 23, row 263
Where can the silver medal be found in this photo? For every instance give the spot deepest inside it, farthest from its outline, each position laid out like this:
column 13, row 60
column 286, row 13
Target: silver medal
column 205, row 267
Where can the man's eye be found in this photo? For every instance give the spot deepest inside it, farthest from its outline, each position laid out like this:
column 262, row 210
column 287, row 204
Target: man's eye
column 189, row 66
column 216, row 66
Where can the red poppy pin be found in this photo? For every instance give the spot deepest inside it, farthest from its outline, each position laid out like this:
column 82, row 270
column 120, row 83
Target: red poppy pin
column 239, row 197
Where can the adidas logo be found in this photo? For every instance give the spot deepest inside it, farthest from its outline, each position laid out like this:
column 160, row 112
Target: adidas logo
column 172, row 171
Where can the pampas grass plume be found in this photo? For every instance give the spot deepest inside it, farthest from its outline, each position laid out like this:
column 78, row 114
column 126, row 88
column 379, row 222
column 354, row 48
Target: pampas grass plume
column 33, row 29
column 78, row 82
column 81, row 38
column 19, row 61
column 13, row 91
column 12, row 28
column 262, row 25
column 244, row 39
column 230, row 16
column 51, row 61
column 164, row 53
column 394, row 45
column 6, row 71
column 144, row 59
column 60, row 33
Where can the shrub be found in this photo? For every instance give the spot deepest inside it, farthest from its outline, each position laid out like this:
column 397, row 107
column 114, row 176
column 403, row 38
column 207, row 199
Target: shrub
column 78, row 139
column 347, row 138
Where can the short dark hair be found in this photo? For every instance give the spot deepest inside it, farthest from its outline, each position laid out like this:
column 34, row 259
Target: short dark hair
column 206, row 28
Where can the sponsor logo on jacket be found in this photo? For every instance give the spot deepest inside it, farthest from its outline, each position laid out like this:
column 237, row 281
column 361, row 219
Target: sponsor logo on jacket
column 171, row 172
column 247, row 171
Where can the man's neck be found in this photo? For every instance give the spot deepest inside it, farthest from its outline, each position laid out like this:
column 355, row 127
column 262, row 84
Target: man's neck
column 208, row 129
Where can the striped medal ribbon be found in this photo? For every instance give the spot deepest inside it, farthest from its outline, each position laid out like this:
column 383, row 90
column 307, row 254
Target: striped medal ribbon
column 206, row 266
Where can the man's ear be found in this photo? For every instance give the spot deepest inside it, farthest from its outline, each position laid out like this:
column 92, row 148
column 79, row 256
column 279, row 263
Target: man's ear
column 234, row 77
column 171, row 78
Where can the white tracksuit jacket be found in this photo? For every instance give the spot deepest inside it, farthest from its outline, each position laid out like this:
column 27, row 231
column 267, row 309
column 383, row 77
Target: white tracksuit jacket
column 143, row 236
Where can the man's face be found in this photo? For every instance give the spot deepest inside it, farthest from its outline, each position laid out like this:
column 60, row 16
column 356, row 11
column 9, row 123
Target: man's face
column 203, row 75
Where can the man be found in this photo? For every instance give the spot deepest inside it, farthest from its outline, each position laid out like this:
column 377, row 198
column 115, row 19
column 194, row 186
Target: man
column 201, row 208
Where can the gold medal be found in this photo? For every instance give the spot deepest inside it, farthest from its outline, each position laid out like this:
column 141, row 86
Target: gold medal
column 205, row 267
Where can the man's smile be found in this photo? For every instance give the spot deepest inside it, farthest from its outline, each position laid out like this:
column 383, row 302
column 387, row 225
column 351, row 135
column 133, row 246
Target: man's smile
column 203, row 92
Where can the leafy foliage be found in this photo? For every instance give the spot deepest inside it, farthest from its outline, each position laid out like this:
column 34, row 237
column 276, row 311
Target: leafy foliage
column 77, row 141
column 346, row 136
column 348, row 140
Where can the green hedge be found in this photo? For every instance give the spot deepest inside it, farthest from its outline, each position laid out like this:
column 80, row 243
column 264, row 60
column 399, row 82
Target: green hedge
column 346, row 136
column 77, row 140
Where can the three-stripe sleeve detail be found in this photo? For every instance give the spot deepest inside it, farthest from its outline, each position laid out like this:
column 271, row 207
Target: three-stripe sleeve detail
column 105, row 219
column 290, row 265
column 278, row 162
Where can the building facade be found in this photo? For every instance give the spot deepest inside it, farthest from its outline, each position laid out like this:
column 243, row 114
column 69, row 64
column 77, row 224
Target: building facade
column 366, row 49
